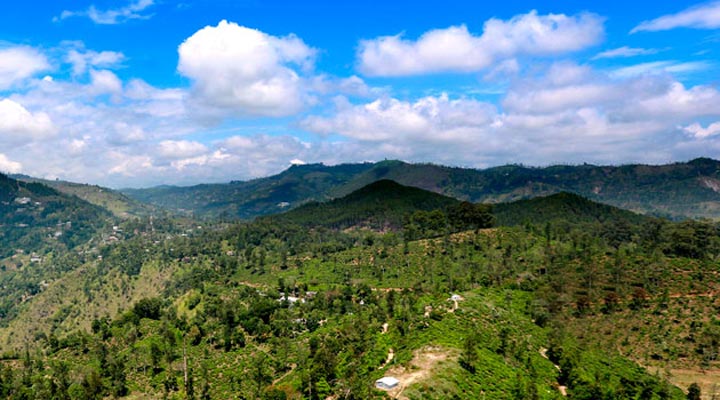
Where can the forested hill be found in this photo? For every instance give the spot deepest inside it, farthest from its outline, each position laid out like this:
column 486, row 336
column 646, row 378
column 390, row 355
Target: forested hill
column 381, row 204
column 117, row 203
column 676, row 190
column 562, row 206
column 246, row 200
column 34, row 217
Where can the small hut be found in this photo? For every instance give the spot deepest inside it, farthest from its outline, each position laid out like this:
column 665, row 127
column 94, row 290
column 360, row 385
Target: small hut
column 386, row 383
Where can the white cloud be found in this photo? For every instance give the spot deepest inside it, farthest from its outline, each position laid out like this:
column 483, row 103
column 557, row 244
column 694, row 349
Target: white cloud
column 704, row 16
column 624, row 51
column 111, row 16
column 569, row 113
column 563, row 86
column 17, row 124
column 20, row 63
column 130, row 166
column 352, row 86
column 178, row 149
column 661, row 68
column 95, row 127
column 430, row 118
column 455, row 49
column 100, row 125
column 697, row 131
column 506, row 68
column 242, row 71
column 9, row 166
column 104, row 81
column 675, row 100
column 81, row 60
column 123, row 134
column 215, row 158
column 159, row 103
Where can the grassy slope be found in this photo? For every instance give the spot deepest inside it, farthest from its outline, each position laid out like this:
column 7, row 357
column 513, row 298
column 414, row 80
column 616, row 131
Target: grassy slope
column 72, row 302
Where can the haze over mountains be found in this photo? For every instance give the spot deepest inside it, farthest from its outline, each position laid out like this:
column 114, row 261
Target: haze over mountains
column 678, row 190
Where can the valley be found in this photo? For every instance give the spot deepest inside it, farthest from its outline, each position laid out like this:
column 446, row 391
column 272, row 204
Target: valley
column 543, row 298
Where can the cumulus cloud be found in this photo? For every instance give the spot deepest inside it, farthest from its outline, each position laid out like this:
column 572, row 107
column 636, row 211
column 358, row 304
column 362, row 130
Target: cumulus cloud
column 17, row 124
column 675, row 100
column 19, row 63
column 697, row 131
column 455, row 49
column 8, row 166
column 104, row 81
column 82, row 60
column 112, row 16
column 624, row 51
column 96, row 127
column 178, row 149
column 430, row 118
column 569, row 113
column 704, row 16
column 243, row 71
column 235, row 157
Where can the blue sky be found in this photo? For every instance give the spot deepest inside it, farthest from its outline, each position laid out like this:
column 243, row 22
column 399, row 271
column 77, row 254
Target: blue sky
column 145, row 92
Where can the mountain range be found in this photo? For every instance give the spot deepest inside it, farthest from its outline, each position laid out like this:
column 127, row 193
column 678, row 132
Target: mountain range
column 676, row 191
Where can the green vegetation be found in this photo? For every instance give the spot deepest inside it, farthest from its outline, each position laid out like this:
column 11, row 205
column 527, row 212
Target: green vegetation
column 385, row 204
column 677, row 191
column 117, row 203
column 34, row 217
column 561, row 295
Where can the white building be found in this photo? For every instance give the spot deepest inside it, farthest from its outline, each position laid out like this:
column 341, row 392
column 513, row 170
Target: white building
column 387, row 383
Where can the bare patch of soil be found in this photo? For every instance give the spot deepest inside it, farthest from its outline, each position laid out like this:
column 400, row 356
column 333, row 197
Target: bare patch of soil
column 420, row 368
column 708, row 380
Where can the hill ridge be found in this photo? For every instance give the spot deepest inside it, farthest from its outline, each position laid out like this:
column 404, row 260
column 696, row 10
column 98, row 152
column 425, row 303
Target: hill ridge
column 677, row 190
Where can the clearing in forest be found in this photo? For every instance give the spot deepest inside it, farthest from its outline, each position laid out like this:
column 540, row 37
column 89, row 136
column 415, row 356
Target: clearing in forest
column 420, row 368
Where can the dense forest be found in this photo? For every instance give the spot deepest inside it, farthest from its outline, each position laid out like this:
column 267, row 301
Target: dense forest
column 538, row 299
column 676, row 191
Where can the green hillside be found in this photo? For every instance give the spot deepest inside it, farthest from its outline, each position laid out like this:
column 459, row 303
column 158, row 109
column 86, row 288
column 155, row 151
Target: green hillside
column 677, row 190
column 117, row 203
column 562, row 206
column 35, row 217
column 381, row 204
column 246, row 200
column 298, row 306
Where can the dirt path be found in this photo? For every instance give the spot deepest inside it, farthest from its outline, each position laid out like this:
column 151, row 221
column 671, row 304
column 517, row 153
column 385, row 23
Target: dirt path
column 561, row 388
column 390, row 357
column 421, row 366
column 292, row 368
